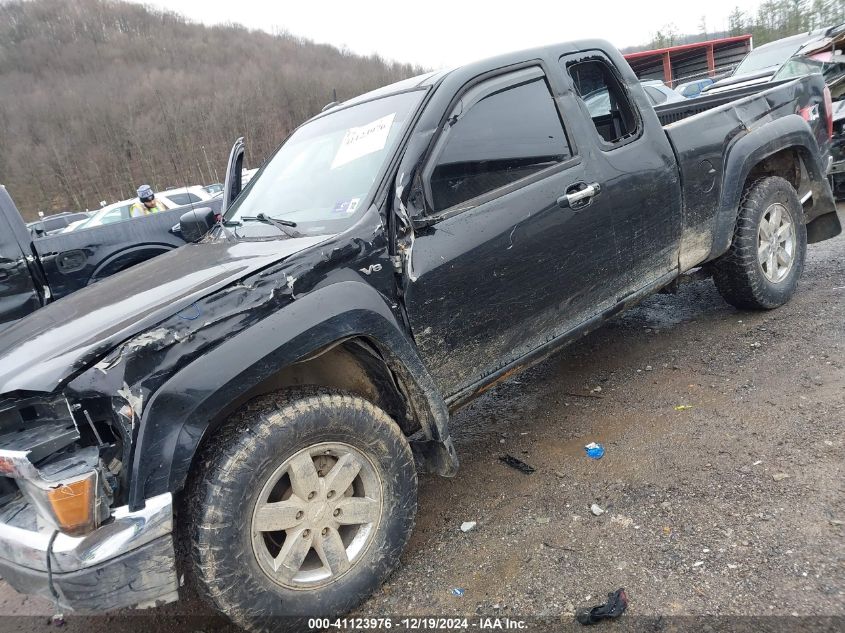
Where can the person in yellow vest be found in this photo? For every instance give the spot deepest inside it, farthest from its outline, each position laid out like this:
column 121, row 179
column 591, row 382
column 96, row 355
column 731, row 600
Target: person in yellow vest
column 146, row 203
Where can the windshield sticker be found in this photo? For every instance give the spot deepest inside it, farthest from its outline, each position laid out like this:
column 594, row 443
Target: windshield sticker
column 346, row 206
column 363, row 140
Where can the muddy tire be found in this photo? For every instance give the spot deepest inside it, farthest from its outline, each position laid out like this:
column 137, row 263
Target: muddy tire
column 300, row 506
column 761, row 269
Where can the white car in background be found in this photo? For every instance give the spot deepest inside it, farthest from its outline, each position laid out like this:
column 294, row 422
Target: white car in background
column 119, row 211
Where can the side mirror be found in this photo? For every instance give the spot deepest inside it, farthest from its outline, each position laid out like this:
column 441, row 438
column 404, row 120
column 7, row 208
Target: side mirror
column 195, row 223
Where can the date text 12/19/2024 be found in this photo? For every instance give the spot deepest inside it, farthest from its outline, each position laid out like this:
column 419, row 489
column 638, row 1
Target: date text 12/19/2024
column 418, row 624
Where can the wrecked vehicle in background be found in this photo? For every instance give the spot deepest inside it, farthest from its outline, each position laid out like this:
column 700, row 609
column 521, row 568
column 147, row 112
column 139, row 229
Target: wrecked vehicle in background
column 818, row 52
column 837, row 150
column 35, row 271
column 283, row 381
column 767, row 62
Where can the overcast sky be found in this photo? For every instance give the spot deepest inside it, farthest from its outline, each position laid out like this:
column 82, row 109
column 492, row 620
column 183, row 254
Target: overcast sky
column 435, row 33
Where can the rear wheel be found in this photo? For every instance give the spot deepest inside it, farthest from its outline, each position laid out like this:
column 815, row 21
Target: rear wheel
column 300, row 508
column 761, row 269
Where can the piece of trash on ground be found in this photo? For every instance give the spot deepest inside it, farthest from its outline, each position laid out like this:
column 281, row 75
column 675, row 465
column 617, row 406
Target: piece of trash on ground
column 683, row 407
column 616, row 604
column 596, row 509
column 518, row 464
column 780, row 476
column 544, row 520
column 468, row 526
column 457, row 591
column 594, row 450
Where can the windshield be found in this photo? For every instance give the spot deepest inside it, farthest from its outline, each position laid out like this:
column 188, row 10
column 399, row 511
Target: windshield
column 767, row 57
column 797, row 67
column 321, row 176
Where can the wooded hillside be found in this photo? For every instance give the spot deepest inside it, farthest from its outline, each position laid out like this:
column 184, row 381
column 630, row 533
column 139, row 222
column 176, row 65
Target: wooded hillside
column 99, row 97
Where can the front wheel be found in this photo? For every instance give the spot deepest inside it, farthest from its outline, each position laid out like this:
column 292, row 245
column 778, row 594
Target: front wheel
column 300, row 507
column 761, row 269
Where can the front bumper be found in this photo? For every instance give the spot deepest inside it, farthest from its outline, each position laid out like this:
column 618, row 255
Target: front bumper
column 127, row 562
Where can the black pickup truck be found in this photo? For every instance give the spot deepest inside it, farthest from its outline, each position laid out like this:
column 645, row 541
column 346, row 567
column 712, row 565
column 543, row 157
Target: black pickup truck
column 267, row 396
column 37, row 270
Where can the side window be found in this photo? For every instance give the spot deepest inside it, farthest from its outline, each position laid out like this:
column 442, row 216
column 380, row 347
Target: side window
column 605, row 98
column 506, row 135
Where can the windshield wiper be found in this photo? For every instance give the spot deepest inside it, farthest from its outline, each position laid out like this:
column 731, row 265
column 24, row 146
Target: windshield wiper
column 282, row 225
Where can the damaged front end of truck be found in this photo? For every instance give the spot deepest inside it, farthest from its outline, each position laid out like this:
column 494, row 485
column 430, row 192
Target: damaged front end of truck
column 61, row 518
column 70, row 530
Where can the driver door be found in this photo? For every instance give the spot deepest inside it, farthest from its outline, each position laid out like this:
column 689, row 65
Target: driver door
column 513, row 250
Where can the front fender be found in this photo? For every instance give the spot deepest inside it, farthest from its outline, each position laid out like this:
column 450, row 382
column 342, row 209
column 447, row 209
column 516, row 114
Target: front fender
column 787, row 132
column 188, row 406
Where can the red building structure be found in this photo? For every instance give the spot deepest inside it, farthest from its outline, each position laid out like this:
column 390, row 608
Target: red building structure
column 677, row 64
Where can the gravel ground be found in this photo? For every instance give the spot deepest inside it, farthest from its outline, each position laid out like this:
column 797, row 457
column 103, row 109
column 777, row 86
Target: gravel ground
column 722, row 485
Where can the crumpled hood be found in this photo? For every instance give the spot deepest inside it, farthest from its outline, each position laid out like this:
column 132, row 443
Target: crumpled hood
column 46, row 348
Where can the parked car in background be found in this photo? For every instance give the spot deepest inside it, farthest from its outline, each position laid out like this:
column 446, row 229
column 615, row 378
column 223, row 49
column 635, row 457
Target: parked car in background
column 119, row 211
column 660, row 93
column 35, row 271
column 692, row 89
column 266, row 396
column 56, row 223
column 599, row 101
column 214, row 189
column 181, row 196
column 115, row 212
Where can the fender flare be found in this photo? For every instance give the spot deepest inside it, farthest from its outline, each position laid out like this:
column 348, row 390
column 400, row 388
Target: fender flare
column 190, row 404
column 788, row 132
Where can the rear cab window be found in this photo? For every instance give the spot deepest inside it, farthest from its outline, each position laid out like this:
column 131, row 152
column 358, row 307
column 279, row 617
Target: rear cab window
column 599, row 87
column 501, row 132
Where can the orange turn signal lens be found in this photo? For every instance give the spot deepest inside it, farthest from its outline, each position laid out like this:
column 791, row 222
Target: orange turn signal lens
column 73, row 505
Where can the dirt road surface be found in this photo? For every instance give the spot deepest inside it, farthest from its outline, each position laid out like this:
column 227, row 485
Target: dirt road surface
column 722, row 485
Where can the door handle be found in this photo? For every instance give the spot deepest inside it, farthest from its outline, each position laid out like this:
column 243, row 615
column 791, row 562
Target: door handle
column 574, row 196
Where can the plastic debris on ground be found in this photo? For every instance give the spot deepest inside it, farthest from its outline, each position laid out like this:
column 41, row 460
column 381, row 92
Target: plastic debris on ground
column 616, row 604
column 683, row 407
column 596, row 509
column 594, row 450
column 518, row 464
column 468, row 526
column 457, row 591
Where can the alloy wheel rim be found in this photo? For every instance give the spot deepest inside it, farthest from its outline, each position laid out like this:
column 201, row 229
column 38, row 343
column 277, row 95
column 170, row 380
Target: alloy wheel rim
column 316, row 515
column 776, row 242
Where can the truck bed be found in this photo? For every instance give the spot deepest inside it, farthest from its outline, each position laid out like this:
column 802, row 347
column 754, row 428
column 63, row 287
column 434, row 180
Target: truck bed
column 702, row 133
column 674, row 112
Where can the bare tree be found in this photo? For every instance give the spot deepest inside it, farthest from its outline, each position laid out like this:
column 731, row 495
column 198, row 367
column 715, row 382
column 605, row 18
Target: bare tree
column 101, row 96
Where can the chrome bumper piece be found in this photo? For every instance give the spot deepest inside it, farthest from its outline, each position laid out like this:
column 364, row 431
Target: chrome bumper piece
column 129, row 561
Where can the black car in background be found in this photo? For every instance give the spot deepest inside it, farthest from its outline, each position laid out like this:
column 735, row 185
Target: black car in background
column 39, row 264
